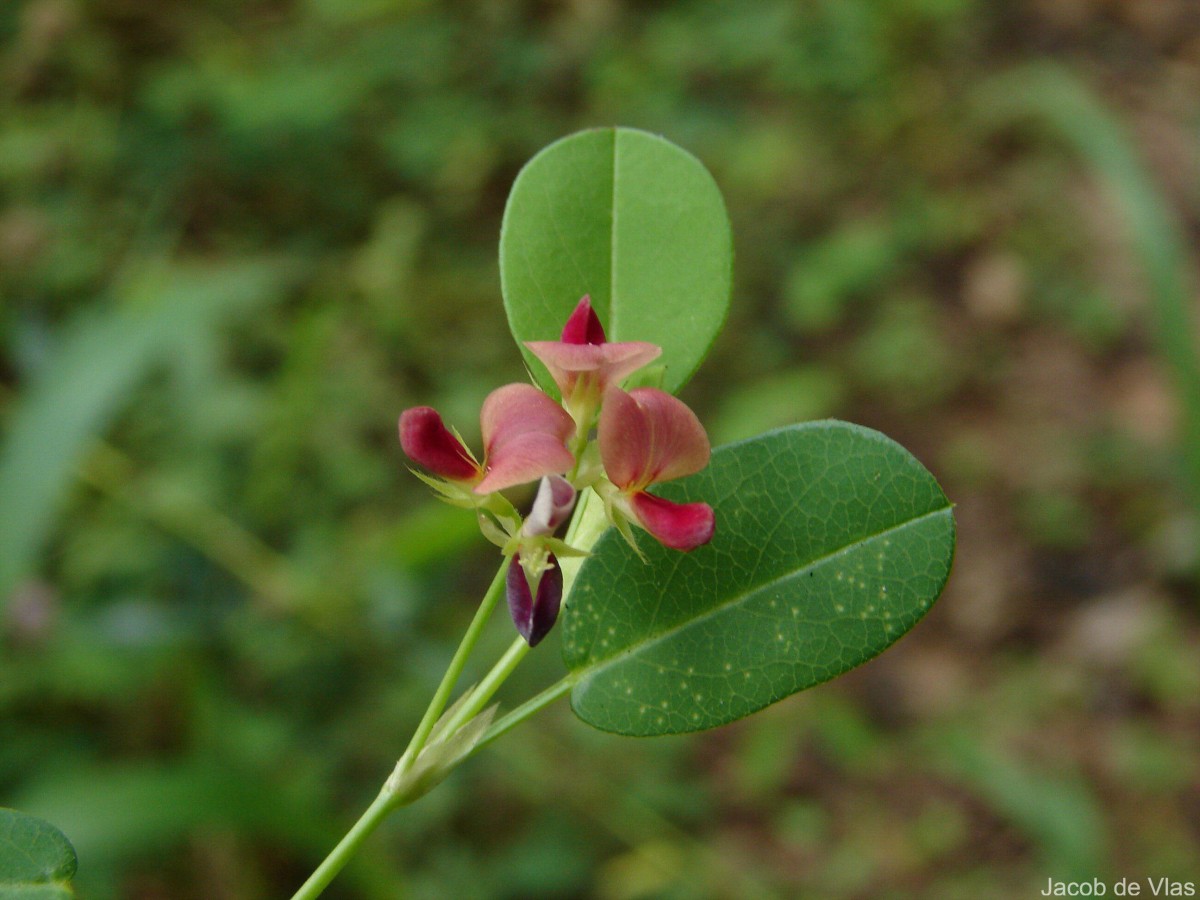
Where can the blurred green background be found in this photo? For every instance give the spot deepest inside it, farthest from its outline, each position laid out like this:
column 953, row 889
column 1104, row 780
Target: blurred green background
column 238, row 238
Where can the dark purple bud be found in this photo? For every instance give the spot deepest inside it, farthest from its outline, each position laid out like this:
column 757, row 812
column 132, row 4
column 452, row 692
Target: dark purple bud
column 534, row 617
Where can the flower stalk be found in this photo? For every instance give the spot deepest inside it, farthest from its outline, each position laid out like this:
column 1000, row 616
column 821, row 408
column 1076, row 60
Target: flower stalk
column 596, row 453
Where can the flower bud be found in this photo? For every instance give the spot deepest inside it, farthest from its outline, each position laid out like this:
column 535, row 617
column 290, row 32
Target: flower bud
column 553, row 504
column 533, row 615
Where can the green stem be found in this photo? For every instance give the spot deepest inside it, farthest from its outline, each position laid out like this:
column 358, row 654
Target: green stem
column 454, row 670
column 578, row 516
column 585, row 525
column 386, row 801
column 535, row 704
column 346, row 848
column 486, row 689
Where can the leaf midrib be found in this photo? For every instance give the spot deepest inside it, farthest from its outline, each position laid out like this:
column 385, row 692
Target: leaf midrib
column 612, row 243
column 579, row 675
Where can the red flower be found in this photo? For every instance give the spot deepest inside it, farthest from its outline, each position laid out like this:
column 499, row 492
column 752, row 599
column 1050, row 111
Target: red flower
column 524, row 438
column 583, row 364
column 647, row 436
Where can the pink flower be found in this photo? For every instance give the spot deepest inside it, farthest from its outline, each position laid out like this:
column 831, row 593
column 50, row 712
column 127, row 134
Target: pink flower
column 647, row 436
column 583, row 364
column 524, row 438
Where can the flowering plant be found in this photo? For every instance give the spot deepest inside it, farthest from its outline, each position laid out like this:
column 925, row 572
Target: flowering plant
column 695, row 586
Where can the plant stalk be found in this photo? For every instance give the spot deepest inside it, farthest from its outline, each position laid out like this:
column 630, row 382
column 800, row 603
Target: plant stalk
column 586, row 524
column 346, row 848
column 442, row 695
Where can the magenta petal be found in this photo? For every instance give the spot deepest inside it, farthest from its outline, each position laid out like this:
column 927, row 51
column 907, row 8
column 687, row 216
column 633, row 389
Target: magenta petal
column 583, row 327
column 524, row 436
column 533, row 617
column 680, row 526
column 647, row 436
column 428, row 442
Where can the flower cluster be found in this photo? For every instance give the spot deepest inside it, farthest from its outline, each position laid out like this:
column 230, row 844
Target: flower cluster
column 617, row 443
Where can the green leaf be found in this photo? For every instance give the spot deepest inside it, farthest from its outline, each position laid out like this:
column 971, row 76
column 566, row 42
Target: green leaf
column 635, row 222
column 37, row 862
column 832, row 541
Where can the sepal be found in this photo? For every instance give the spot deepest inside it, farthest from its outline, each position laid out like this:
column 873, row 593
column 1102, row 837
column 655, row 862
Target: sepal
column 441, row 755
column 492, row 530
column 448, row 491
column 558, row 547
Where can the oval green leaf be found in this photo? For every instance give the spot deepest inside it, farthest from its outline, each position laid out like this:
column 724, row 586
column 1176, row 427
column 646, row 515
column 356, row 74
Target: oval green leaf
column 632, row 220
column 37, row 862
column 832, row 541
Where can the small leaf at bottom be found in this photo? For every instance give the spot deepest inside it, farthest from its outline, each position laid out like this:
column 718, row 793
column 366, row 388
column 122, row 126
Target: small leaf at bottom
column 37, row 862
